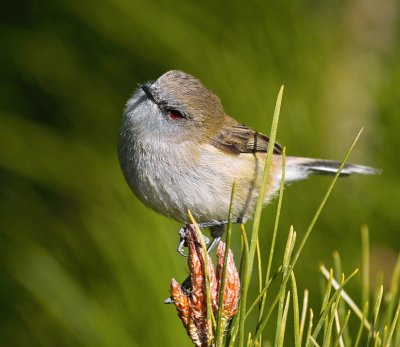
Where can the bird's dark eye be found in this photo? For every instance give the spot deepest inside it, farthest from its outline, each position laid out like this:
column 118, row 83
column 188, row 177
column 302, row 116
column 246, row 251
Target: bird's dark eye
column 174, row 114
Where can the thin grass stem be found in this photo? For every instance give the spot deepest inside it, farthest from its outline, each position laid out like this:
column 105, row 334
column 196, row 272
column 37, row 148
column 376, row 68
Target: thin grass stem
column 345, row 339
column 243, row 289
column 327, row 291
column 284, row 320
column 393, row 326
column 349, row 301
column 275, row 232
column 333, row 309
column 339, row 338
column 378, row 300
column 331, row 301
column 210, row 314
column 259, row 297
column 296, row 315
column 365, row 265
column 393, row 292
column 310, row 325
column 315, row 343
column 219, row 335
column 257, row 215
column 377, row 339
column 243, row 263
column 362, row 325
column 307, row 234
column 286, row 262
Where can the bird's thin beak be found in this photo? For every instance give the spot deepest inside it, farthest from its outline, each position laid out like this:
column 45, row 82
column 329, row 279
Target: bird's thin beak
column 147, row 90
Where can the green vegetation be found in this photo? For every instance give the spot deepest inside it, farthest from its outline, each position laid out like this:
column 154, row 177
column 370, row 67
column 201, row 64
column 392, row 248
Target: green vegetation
column 382, row 329
column 84, row 263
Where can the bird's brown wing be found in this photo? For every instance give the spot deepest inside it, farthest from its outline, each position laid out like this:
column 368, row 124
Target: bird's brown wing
column 236, row 139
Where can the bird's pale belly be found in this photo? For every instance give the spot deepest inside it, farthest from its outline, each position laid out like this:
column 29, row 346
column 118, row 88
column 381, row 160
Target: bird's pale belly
column 204, row 187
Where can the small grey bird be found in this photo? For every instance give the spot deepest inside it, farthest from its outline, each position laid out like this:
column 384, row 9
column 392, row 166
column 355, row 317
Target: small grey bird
column 179, row 150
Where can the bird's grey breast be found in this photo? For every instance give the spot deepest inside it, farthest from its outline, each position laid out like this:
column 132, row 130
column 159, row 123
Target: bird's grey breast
column 160, row 175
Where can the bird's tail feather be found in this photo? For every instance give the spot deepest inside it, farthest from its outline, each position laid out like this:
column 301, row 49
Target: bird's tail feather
column 298, row 168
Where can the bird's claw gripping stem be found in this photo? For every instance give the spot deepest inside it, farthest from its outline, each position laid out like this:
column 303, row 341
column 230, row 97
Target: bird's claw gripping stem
column 182, row 240
column 217, row 230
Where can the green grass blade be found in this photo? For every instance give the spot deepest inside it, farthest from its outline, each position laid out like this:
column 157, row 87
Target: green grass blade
column 377, row 339
column 397, row 336
column 310, row 325
column 307, row 235
column 345, row 339
column 260, row 277
column 257, row 216
column 249, row 340
column 339, row 340
column 330, row 303
column 314, row 343
column 303, row 315
column 378, row 300
column 349, row 301
column 392, row 295
column 259, row 266
column 275, row 232
column 325, row 302
column 365, row 265
column 333, row 310
column 393, row 326
column 243, row 289
column 260, row 200
column 296, row 314
column 384, row 334
column 243, row 263
column 219, row 335
column 286, row 262
column 362, row 324
column 260, row 296
column 327, row 292
column 284, row 320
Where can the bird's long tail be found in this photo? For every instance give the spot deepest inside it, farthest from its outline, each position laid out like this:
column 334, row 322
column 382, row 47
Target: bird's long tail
column 298, row 168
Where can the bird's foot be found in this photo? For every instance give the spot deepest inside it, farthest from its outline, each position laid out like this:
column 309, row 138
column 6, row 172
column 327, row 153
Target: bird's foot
column 182, row 239
column 216, row 228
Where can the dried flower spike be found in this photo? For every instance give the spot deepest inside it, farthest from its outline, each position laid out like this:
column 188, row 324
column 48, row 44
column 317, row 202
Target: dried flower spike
column 232, row 283
column 192, row 306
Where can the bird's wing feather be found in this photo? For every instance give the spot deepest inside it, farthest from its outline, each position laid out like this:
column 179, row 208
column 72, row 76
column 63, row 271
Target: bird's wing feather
column 236, row 139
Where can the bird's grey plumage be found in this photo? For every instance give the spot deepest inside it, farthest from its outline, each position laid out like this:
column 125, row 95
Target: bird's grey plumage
column 179, row 150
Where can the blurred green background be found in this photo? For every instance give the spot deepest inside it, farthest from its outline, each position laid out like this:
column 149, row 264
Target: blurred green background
column 83, row 262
